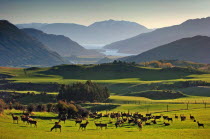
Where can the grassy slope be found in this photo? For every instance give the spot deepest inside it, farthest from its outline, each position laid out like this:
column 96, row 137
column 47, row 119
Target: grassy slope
column 118, row 80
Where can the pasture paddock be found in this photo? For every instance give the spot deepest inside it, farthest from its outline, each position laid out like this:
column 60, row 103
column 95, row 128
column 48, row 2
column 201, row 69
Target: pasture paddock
column 177, row 129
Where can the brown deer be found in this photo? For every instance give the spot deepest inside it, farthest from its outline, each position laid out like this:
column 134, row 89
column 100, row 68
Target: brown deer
column 166, row 124
column 140, row 125
column 170, row 119
column 15, row 118
column 24, row 118
column 199, row 124
column 183, row 118
column 97, row 125
column 32, row 122
column 78, row 121
column 176, row 117
column 63, row 118
column 103, row 125
column 83, row 126
column 147, row 123
column 57, row 125
column 117, row 124
column 192, row 117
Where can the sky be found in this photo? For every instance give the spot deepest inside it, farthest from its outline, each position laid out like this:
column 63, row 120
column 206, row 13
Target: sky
column 150, row 13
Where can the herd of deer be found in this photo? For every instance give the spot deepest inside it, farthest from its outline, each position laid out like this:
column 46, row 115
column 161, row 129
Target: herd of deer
column 121, row 118
column 25, row 118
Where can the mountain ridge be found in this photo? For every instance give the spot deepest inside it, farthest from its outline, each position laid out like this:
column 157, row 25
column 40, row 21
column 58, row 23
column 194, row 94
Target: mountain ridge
column 195, row 49
column 112, row 30
column 19, row 49
column 161, row 36
column 60, row 44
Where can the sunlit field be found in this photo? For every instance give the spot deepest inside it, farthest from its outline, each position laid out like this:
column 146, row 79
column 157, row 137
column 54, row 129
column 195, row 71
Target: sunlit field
column 177, row 128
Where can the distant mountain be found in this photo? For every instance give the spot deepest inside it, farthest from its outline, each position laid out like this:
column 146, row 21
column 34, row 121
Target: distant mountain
column 103, row 32
column 195, row 49
column 147, row 41
column 31, row 25
column 60, row 44
column 19, row 49
column 104, row 60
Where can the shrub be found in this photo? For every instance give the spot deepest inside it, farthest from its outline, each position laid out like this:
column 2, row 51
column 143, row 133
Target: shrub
column 65, row 108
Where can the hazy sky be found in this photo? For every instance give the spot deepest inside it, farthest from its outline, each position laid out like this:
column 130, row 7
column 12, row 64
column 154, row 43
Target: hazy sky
column 150, row 13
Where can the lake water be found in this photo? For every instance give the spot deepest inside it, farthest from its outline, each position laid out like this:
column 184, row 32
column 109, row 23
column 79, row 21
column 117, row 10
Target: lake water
column 107, row 52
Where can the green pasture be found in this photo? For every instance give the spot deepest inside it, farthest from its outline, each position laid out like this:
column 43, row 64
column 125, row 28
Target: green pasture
column 177, row 129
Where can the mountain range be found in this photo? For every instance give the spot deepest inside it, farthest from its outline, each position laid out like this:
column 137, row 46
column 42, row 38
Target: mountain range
column 64, row 46
column 195, row 49
column 103, row 32
column 158, row 37
column 19, row 49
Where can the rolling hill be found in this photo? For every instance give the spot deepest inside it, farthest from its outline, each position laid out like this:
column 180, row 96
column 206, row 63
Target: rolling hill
column 195, row 49
column 158, row 37
column 103, row 32
column 18, row 49
column 60, row 44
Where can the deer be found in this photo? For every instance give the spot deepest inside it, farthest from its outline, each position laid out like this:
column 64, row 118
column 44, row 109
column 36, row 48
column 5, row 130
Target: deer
column 32, row 122
column 176, row 117
column 83, row 126
column 97, row 125
column 192, row 117
column 170, row 119
column 154, row 121
column 148, row 114
column 15, row 118
column 147, row 123
column 24, row 118
column 78, row 121
column 140, row 125
column 183, row 118
column 63, row 119
column 103, row 125
column 165, row 117
column 199, row 124
column 57, row 125
column 166, row 124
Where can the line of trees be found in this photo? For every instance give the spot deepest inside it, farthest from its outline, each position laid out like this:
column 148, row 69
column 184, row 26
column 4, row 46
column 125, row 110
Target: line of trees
column 88, row 91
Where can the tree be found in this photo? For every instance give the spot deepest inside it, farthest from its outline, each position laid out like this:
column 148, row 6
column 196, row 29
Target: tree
column 31, row 107
column 2, row 105
column 88, row 91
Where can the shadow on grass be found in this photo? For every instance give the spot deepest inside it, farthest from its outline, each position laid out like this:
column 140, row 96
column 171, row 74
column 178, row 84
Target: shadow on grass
column 69, row 126
column 100, row 107
column 44, row 118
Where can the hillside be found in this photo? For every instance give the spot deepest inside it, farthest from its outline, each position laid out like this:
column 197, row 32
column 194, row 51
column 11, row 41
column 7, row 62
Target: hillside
column 158, row 37
column 18, row 49
column 60, row 44
column 194, row 49
column 104, row 60
column 103, row 32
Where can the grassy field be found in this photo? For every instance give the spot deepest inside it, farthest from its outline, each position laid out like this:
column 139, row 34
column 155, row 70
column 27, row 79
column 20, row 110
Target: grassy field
column 119, row 81
column 177, row 129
